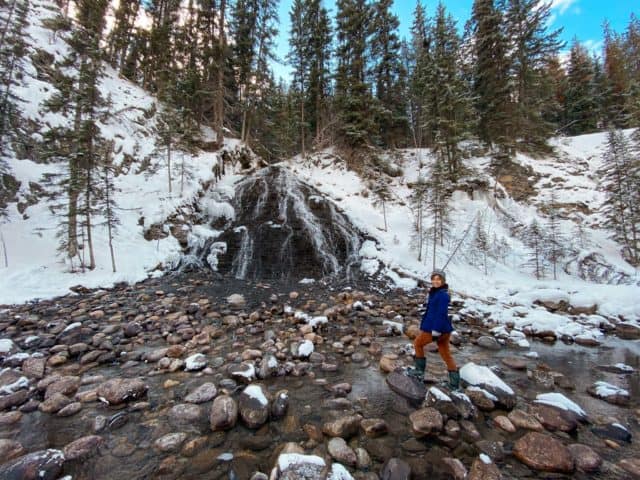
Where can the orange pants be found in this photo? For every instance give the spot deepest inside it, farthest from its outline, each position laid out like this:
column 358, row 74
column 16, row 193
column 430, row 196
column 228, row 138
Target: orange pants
column 443, row 347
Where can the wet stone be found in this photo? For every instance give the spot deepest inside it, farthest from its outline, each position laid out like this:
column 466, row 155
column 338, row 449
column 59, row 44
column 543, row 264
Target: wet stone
column 54, row 403
column 522, row 419
column 204, row 393
column 455, row 468
column 344, row 427
column 493, row 449
column 612, row 431
column 253, row 405
column 631, row 465
column 82, row 448
column 34, row 367
column 374, row 427
column 489, row 343
column 170, row 442
column 120, row 390
column 484, row 469
column 42, row 465
column 224, row 413
column 407, row 387
column 395, row 469
column 426, row 421
column 280, row 405
column 341, row 452
column 10, row 449
column 185, row 413
column 554, row 419
column 585, row 458
column 543, row 452
column 70, row 409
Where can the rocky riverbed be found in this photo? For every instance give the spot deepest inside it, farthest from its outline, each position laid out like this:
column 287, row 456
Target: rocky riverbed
column 188, row 377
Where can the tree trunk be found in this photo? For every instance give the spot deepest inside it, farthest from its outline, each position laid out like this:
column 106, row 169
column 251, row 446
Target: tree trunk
column 92, row 260
column 169, row 163
column 219, row 107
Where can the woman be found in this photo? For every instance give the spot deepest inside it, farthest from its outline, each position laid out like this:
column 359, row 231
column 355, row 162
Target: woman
column 436, row 324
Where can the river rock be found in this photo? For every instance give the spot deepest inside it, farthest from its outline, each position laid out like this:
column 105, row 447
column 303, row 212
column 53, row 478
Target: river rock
column 280, row 405
column 14, row 399
column 442, row 402
column 82, row 448
column 70, row 409
column 224, row 413
column 268, row 366
column 628, row 331
column 543, row 452
column 484, row 469
column 54, row 403
column 455, row 468
column 296, row 466
column 42, row 465
column 488, row 342
column 374, row 427
column 10, row 449
column 170, row 442
column 7, row 347
column 344, row 427
column 33, row 367
column 236, row 301
column 120, row 390
column 341, row 452
column 195, row 362
column 132, row 329
column 204, row 393
column 245, row 372
column 553, row 418
column 515, row 363
column 407, row 387
column 609, row 393
column 504, row 423
column 484, row 378
column 612, row 431
column 481, row 398
column 185, row 413
column 585, row 458
column 631, row 465
column 493, row 449
column 522, row 419
column 254, row 405
column 426, row 421
column 66, row 385
column 395, row 469
column 389, row 362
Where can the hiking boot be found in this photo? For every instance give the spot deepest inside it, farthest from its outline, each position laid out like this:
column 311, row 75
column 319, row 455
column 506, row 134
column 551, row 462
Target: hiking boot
column 417, row 371
column 454, row 379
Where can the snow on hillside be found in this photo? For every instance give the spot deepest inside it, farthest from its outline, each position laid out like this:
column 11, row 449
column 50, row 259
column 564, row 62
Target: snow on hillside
column 35, row 270
column 507, row 293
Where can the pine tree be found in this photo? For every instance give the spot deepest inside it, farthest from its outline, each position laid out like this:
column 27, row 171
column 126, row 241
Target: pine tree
column 632, row 56
column 580, row 104
column 417, row 62
column 12, row 50
column 555, row 241
column 353, row 96
column 387, row 75
column 437, row 205
column 78, row 95
column 446, row 96
column 535, row 239
column 418, row 202
column 616, row 80
column 481, row 244
column 119, row 40
column 254, row 29
column 532, row 48
column 621, row 181
column 107, row 204
column 490, row 74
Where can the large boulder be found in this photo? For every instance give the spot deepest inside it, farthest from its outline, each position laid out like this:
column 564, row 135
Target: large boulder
column 407, row 387
column 120, row 390
column 543, row 453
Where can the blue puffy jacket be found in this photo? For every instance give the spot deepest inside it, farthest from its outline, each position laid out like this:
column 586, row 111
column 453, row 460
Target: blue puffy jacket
column 436, row 317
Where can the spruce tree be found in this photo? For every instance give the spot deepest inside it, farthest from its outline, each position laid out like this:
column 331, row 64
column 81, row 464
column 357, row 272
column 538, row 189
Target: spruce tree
column 580, row 102
column 298, row 58
column 417, row 62
column 488, row 46
column 616, row 80
column 119, row 40
column 353, row 96
column 532, row 47
column 12, row 51
column 534, row 238
column 446, row 96
column 555, row 241
column 387, row 75
column 620, row 180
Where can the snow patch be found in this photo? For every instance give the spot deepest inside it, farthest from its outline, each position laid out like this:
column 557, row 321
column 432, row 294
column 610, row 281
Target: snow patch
column 558, row 400
column 478, row 375
column 255, row 392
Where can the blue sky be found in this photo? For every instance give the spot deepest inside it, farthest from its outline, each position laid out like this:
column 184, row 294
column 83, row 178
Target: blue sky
column 578, row 18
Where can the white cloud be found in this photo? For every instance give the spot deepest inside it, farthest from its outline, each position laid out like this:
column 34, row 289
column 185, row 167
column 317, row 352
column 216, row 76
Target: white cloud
column 562, row 5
